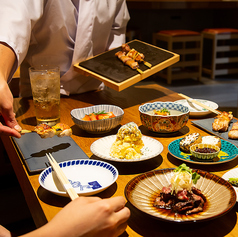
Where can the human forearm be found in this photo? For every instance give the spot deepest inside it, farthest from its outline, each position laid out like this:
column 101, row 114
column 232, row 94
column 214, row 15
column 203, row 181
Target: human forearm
column 87, row 216
column 4, row 232
column 7, row 60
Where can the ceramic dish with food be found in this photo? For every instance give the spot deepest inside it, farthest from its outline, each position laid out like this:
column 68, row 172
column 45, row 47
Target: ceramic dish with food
column 206, row 124
column 153, row 118
column 204, row 151
column 102, row 148
column 228, row 152
column 197, row 110
column 143, row 189
column 97, row 126
column 87, row 177
column 232, row 174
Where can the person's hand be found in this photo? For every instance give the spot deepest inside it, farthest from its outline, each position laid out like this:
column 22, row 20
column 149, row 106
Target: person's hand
column 88, row 216
column 92, row 216
column 8, row 125
column 4, row 232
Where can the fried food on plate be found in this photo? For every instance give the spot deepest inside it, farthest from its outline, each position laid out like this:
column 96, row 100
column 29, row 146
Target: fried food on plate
column 189, row 140
column 44, row 130
column 222, row 121
column 60, row 129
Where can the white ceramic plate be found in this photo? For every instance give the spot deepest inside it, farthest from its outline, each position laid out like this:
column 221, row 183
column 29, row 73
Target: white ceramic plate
column 143, row 189
column 232, row 174
column 196, row 110
column 102, row 146
column 87, row 176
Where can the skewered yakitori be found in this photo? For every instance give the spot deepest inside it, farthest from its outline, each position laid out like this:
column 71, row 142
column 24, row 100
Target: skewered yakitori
column 131, row 57
column 127, row 60
column 135, row 55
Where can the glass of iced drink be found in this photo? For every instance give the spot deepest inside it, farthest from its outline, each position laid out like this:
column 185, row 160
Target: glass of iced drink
column 45, row 85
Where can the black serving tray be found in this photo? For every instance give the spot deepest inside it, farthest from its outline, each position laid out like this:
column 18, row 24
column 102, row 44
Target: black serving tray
column 109, row 69
column 33, row 148
column 206, row 124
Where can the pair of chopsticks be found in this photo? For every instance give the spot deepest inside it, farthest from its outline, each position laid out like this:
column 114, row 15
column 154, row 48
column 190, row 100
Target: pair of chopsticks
column 62, row 178
column 199, row 103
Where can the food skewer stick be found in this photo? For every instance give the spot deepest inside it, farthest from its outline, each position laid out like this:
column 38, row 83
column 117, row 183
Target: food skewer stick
column 135, row 55
column 128, row 61
column 199, row 103
column 62, row 178
column 138, row 57
column 147, row 64
column 23, row 131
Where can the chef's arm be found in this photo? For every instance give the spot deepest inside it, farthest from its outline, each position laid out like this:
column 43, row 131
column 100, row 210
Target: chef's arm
column 7, row 60
column 10, row 126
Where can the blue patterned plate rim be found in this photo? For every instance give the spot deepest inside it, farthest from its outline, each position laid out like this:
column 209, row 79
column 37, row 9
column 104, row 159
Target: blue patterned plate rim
column 228, row 153
column 168, row 104
column 76, row 162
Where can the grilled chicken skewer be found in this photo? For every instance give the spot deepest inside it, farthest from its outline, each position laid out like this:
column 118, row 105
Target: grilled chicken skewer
column 135, row 55
column 128, row 61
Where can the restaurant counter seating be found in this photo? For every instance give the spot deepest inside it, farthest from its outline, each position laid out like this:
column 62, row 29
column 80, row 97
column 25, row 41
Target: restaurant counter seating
column 220, row 51
column 186, row 43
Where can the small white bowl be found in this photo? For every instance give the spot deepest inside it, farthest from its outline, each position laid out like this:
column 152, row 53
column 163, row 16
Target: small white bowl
column 87, row 176
column 97, row 126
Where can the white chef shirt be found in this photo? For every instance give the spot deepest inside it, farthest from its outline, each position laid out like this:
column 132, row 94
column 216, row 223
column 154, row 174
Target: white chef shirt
column 61, row 32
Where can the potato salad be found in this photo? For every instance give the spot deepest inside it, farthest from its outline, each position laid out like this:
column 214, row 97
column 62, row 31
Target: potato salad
column 128, row 143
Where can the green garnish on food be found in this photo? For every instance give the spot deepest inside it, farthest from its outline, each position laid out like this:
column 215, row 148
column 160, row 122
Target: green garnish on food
column 233, row 181
column 163, row 112
column 100, row 112
column 185, row 168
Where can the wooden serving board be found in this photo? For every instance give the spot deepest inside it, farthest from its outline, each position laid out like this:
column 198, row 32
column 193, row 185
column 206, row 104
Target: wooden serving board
column 107, row 68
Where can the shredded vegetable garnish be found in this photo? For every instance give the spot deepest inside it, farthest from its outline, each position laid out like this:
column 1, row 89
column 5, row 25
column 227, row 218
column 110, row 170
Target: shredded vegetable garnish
column 183, row 178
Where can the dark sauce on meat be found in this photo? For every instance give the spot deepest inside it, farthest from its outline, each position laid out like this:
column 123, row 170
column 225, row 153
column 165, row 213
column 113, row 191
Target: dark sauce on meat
column 205, row 150
column 171, row 213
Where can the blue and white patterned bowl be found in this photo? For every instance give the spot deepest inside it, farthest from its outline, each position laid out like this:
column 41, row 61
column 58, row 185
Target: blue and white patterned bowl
column 87, row 176
column 164, row 124
column 97, row 126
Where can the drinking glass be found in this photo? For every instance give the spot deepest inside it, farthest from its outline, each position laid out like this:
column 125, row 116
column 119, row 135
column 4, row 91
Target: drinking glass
column 45, row 85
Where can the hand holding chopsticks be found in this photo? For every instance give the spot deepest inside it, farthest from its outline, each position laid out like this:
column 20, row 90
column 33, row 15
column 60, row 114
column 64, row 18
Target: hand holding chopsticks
column 200, row 104
column 62, row 178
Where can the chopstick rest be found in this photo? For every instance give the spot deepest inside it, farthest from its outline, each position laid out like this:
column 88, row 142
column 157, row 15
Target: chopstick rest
column 199, row 103
column 62, row 178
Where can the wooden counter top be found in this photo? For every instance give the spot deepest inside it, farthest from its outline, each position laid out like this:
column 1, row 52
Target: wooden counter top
column 44, row 205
